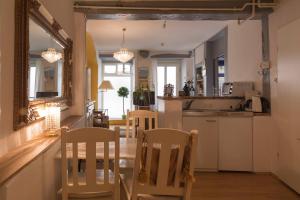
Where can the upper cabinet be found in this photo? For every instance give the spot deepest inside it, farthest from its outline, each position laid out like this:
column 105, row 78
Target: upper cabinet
column 200, row 54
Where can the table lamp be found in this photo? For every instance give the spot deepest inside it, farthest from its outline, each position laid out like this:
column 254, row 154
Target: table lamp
column 52, row 118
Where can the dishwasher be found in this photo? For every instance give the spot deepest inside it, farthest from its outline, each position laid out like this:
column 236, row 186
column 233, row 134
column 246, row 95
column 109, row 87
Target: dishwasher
column 235, row 143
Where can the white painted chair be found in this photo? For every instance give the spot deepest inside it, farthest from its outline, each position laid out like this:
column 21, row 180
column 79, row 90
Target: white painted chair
column 171, row 181
column 93, row 183
column 138, row 119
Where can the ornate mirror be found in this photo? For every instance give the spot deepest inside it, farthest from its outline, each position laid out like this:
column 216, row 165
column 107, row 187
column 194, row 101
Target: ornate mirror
column 43, row 63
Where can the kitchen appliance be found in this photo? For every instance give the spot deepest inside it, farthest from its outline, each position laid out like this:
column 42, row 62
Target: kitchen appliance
column 256, row 104
column 237, row 89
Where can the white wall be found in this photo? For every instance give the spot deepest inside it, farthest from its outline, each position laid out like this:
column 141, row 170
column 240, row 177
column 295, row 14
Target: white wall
column 200, row 54
column 245, row 52
column 187, row 70
column 1, row 16
column 79, row 67
column 10, row 139
column 142, row 62
column 40, row 180
column 285, row 94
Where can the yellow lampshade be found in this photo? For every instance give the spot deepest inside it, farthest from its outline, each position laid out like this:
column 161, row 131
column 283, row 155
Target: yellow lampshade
column 105, row 85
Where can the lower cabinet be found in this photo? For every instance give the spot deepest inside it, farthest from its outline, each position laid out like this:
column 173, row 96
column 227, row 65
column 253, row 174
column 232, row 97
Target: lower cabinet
column 224, row 143
column 207, row 152
column 235, row 144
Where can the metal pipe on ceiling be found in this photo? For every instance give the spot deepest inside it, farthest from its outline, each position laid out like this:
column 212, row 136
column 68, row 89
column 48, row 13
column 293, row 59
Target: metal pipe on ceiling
column 254, row 3
column 240, row 22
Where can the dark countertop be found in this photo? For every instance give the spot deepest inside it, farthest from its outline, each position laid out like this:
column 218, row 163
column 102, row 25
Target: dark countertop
column 197, row 97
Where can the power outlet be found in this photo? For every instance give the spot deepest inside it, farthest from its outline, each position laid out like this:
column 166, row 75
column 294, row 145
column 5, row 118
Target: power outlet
column 265, row 65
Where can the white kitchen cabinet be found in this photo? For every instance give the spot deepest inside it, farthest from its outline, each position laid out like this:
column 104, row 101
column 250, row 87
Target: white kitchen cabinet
column 235, row 144
column 200, row 54
column 207, row 150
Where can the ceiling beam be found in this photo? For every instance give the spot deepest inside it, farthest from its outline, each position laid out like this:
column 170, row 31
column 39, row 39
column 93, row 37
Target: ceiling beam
column 170, row 10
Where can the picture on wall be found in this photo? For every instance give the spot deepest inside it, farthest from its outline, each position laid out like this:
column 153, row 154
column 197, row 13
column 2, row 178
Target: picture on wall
column 49, row 82
column 143, row 73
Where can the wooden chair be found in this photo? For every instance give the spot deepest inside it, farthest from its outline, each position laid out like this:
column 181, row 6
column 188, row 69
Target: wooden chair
column 139, row 119
column 173, row 152
column 93, row 183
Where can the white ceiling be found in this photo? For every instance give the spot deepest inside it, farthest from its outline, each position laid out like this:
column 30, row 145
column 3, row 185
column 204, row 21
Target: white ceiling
column 148, row 35
column 39, row 39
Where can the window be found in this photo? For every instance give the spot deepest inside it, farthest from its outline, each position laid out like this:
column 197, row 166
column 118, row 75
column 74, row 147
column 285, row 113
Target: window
column 220, row 73
column 119, row 75
column 167, row 73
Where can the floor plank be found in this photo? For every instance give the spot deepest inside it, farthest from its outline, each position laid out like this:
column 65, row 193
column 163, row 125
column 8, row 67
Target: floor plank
column 240, row 186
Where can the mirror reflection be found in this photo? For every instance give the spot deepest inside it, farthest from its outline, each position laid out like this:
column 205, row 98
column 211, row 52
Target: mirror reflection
column 45, row 64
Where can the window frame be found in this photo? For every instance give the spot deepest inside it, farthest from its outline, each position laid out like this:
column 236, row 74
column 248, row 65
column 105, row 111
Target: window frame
column 116, row 74
column 170, row 63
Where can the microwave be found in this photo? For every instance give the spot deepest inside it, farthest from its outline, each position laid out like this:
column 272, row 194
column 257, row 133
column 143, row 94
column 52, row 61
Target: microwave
column 237, row 89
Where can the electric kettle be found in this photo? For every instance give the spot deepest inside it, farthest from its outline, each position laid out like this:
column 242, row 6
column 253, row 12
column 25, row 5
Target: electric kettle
column 256, row 104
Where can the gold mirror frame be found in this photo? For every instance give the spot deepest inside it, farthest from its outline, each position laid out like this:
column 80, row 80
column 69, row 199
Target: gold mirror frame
column 23, row 108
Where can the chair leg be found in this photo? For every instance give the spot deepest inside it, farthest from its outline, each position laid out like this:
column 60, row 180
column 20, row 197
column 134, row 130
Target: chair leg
column 127, row 128
column 117, row 192
column 188, row 190
column 64, row 196
column 134, row 196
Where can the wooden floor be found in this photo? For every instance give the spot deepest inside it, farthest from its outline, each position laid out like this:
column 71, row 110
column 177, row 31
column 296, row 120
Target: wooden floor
column 240, row 186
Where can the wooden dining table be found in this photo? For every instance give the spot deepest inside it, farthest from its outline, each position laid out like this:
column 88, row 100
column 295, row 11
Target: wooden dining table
column 127, row 149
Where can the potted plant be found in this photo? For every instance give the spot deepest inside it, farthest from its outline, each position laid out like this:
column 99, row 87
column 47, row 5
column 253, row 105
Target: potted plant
column 123, row 92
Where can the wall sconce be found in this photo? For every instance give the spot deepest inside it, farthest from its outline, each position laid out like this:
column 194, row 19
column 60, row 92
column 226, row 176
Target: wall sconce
column 52, row 118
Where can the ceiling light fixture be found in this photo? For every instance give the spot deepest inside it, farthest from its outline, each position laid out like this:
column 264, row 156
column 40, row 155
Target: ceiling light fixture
column 51, row 55
column 123, row 55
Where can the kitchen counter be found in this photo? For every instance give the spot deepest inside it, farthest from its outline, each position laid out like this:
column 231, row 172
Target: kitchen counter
column 172, row 109
column 216, row 113
column 197, row 97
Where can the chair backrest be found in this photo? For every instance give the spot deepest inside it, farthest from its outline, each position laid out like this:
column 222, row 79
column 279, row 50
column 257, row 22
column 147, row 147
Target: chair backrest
column 144, row 119
column 92, row 140
column 167, row 148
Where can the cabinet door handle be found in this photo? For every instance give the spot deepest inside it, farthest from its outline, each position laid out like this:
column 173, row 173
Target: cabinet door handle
column 211, row 121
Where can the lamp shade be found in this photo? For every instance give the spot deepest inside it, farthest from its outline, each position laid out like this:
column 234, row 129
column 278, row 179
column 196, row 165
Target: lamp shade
column 106, row 85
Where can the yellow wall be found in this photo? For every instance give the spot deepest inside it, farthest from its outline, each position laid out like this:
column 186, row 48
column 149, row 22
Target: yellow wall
column 93, row 65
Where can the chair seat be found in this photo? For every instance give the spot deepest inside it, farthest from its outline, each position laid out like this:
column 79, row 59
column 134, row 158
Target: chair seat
column 158, row 197
column 99, row 177
column 89, row 195
column 126, row 183
column 103, row 195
